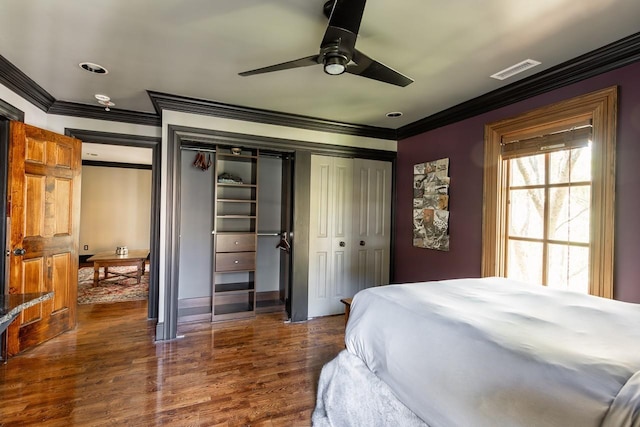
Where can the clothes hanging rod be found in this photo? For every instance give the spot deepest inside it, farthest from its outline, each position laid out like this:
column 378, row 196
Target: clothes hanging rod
column 205, row 150
column 269, row 234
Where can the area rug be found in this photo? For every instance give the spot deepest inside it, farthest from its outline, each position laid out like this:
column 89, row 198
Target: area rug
column 114, row 289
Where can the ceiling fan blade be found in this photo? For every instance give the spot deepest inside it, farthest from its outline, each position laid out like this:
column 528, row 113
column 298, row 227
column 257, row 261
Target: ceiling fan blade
column 372, row 69
column 344, row 23
column 347, row 14
column 296, row 63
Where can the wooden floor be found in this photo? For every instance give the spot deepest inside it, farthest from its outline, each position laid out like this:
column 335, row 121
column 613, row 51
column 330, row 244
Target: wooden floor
column 260, row 372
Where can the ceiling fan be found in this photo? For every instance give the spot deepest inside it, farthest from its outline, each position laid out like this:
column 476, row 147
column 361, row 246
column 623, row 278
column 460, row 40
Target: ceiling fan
column 338, row 53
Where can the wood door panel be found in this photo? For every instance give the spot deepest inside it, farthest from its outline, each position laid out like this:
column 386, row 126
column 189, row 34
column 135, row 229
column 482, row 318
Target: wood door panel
column 35, row 151
column 62, row 155
column 58, row 207
column 33, row 281
column 60, row 281
column 33, row 203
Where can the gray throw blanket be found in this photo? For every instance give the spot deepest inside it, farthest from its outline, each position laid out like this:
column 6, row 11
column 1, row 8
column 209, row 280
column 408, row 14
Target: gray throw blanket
column 349, row 394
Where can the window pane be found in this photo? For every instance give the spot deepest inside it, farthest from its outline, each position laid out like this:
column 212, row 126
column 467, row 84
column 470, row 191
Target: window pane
column 525, row 261
column 569, row 213
column 527, row 170
column 569, row 268
column 570, row 165
column 526, row 213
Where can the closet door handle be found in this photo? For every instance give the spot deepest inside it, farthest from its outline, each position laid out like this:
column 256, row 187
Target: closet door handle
column 362, row 243
column 342, row 244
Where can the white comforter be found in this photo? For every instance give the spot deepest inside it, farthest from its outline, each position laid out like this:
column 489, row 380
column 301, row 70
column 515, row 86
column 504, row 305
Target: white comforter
column 495, row 352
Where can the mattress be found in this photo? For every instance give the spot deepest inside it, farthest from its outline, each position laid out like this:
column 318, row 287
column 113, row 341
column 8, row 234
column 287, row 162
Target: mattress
column 496, row 352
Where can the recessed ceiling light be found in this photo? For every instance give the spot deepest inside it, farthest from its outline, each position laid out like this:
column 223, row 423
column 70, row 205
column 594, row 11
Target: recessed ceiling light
column 394, row 114
column 93, row 68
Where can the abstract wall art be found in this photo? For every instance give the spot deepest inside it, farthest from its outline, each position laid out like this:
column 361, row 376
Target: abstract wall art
column 431, row 205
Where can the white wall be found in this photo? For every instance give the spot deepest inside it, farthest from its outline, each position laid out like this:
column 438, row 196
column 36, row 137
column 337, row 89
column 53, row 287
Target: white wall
column 32, row 114
column 115, row 209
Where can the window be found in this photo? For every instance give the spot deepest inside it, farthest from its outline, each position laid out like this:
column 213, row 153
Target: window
column 549, row 195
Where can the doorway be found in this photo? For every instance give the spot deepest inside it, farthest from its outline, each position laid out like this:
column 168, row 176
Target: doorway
column 112, row 140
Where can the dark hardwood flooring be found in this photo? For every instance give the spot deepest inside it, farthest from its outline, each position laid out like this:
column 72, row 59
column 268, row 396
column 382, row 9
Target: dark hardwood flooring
column 108, row 371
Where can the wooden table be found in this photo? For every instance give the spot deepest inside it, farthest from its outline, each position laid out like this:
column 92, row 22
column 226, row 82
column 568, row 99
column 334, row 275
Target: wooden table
column 347, row 308
column 135, row 257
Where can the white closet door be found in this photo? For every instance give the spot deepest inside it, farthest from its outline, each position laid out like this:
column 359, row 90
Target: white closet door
column 371, row 222
column 330, row 247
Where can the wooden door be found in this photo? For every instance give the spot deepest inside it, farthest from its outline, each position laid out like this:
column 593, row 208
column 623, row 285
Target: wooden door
column 44, row 207
column 330, row 234
column 371, row 222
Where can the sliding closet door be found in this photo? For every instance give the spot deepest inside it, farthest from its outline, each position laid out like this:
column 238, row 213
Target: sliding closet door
column 330, row 235
column 196, row 241
column 371, row 222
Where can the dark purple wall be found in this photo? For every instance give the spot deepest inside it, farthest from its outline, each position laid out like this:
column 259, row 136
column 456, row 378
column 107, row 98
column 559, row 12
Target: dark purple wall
column 463, row 142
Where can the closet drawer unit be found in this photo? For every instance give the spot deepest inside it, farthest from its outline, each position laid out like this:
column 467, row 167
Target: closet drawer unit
column 235, row 242
column 235, row 261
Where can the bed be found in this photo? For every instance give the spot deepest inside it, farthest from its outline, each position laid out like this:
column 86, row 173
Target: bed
column 483, row 352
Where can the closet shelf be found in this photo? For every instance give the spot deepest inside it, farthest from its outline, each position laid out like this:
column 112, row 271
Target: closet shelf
column 237, row 201
column 236, row 214
column 241, row 287
column 236, row 308
column 230, row 184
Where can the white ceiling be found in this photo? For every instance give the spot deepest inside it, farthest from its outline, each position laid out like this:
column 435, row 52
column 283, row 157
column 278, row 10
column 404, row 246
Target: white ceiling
column 196, row 48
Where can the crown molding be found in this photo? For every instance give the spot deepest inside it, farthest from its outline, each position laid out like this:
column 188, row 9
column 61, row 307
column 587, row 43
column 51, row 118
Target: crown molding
column 610, row 57
column 20, row 83
column 65, row 108
column 164, row 101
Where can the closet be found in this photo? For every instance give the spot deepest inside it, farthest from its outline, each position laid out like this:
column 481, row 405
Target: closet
column 350, row 230
column 234, row 244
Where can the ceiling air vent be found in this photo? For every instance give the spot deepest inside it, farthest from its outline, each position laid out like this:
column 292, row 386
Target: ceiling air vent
column 515, row 69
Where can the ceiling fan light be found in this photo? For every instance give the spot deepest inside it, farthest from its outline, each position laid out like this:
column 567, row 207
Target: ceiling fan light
column 335, row 65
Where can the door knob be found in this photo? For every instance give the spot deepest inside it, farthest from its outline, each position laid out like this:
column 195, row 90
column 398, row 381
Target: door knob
column 362, row 243
column 19, row 251
column 342, row 244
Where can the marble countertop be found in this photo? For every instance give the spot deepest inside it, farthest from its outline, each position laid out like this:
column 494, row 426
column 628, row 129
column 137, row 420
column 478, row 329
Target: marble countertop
column 12, row 305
